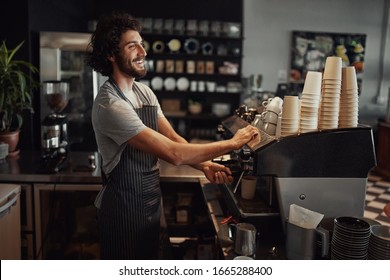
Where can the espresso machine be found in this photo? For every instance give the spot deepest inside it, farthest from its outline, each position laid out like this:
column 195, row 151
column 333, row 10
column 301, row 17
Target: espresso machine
column 323, row 171
column 54, row 136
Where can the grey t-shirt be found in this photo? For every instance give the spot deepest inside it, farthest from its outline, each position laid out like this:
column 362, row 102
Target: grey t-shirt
column 115, row 121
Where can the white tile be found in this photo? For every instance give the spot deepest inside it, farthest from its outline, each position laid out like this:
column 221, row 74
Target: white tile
column 370, row 197
column 374, row 178
column 370, row 215
column 385, row 196
column 385, row 223
column 376, row 190
column 376, row 204
column 383, row 184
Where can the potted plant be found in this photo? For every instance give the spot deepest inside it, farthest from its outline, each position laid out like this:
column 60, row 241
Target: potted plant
column 16, row 83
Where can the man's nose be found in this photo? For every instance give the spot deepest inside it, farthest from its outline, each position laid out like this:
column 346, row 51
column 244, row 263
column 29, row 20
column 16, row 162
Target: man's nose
column 141, row 49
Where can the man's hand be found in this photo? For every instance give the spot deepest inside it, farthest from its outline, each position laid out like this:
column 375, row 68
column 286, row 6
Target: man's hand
column 217, row 173
column 245, row 135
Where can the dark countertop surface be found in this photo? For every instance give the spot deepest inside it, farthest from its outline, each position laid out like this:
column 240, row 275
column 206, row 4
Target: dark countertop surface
column 24, row 169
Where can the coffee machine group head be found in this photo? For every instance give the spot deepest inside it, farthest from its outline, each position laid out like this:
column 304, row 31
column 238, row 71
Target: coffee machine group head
column 54, row 134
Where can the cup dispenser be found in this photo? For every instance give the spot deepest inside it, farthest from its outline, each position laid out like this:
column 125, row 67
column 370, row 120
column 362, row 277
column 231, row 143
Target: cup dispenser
column 324, row 171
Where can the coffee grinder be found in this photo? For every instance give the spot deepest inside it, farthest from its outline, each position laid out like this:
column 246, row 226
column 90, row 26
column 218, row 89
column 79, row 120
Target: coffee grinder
column 54, row 136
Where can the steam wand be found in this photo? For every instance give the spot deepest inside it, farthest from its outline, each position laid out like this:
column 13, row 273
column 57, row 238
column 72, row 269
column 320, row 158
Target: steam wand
column 238, row 182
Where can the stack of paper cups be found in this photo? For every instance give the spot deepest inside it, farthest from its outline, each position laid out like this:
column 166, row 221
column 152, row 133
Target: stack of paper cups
column 330, row 94
column 290, row 116
column 310, row 102
column 349, row 98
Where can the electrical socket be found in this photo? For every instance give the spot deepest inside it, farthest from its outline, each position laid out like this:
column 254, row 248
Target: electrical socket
column 282, row 75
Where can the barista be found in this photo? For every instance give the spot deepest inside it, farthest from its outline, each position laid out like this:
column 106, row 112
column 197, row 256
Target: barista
column 132, row 134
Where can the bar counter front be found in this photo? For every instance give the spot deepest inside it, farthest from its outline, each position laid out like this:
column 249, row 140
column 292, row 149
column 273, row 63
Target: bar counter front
column 79, row 178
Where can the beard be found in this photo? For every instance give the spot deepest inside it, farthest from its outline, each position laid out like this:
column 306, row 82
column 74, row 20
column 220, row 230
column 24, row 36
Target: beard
column 129, row 69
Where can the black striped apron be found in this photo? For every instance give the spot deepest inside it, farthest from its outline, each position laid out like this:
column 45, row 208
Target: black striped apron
column 129, row 217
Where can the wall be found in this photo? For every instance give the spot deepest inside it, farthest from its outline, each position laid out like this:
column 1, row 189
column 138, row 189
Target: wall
column 268, row 25
column 24, row 19
column 267, row 29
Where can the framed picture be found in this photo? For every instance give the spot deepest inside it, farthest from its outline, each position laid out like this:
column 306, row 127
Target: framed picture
column 309, row 51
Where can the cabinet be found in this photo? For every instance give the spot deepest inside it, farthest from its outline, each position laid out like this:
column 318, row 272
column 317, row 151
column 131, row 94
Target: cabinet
column 9, row 222
column 190, row 227
column 383, row 148
column 65, row 221
column 194, row 68
column 66, row 225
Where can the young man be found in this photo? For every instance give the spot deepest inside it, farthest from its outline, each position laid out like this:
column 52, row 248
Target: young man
column 132, row 134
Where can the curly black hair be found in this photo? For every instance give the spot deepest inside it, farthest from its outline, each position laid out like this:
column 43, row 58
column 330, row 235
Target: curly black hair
column 105, row 40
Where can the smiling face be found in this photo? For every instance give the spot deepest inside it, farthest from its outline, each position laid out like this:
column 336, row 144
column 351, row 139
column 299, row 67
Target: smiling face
column 131, row 57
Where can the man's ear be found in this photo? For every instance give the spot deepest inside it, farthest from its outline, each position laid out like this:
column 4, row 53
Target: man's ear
column 111, row 58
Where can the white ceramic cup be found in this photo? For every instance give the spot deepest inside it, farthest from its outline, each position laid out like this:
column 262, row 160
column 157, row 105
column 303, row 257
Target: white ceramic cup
column 270, row 128
column 211, row 86
column 273, row 104
column 248, row 186
column 193, row 85
column 201, row 86
column 269, row 117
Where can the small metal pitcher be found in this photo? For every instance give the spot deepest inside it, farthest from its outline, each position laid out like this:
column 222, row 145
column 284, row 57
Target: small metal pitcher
column 244, row 238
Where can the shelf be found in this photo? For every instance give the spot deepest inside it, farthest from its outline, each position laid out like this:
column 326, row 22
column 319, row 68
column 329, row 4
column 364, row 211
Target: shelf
column 197, row 47
column 196, row 36
column 212, row 65
column 177, row 55
column 192, row 75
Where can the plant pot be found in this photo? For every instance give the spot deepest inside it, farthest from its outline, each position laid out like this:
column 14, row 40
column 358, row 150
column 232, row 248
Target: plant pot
column 12, row 139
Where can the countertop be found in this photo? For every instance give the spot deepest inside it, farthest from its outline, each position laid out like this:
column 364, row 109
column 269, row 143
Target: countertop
column 24, row 169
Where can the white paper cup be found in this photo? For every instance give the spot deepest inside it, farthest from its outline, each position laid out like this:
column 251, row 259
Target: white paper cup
column 312, row 82
column 326, row 82
column 290, row 107
column 248, row 187
column 349, row 80
column 333, row 65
